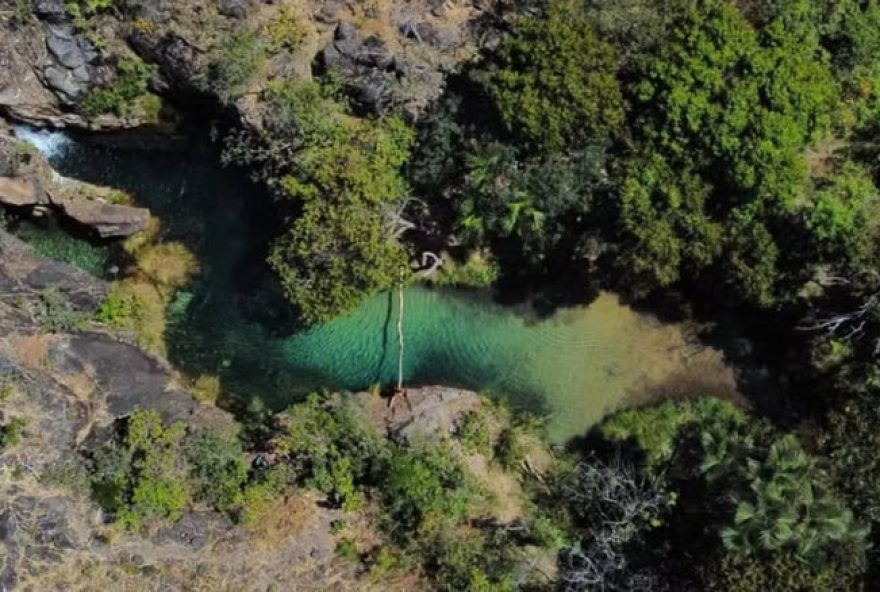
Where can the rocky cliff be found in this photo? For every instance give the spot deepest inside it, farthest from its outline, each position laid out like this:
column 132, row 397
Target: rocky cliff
column 392, row 54
column 64, row 381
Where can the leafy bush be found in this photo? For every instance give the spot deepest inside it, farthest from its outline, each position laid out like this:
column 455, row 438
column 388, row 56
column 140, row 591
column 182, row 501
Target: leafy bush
column 261, row 496
column 285, row 31
column 130, row 84
column 333, row 449
column 138, row 307
column 473, row 433
column 426, row 487
column 10, row 432
column 70, row 473
column 656, row 430
column 240, row 57
column 555, row 84
column 217, row 468
column 478, row 271
column 382, row 562
column 22, row 11
column 347, row 549
column 116, row 310
column 844, row 214
column 55, row 314
column 787, row 507
column 170, row 265
column 206, row 389
column 782, row 572
column 142, row 477
column 763, row 493
column 83, row 12
column 469, row 564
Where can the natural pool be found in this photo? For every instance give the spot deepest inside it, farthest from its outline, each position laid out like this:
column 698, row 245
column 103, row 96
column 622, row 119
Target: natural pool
column 575, row 366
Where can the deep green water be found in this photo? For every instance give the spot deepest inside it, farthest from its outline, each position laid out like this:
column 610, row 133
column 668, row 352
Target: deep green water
column 574, row 366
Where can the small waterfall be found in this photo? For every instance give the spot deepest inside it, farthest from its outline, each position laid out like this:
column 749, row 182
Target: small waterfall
column 50, row 143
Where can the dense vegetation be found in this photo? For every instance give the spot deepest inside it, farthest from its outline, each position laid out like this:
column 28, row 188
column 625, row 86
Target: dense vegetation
column 719, row 155
column 715, row 152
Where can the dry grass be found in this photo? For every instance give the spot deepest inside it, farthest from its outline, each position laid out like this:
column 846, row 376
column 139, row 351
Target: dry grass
column 147, row 320
column 139, row 240
column 288, row 517
column 32, row 351
column 81, row 384
column 171, row 265
column 206, row 389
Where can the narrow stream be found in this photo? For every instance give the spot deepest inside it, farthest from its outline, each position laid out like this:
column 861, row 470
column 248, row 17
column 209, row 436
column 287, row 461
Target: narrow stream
column 574, row 366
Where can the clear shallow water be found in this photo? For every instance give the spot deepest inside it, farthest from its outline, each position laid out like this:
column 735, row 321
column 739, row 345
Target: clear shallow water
column 575, row 366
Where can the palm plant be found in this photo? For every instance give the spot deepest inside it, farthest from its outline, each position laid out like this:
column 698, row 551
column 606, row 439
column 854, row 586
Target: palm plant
column 786, row 506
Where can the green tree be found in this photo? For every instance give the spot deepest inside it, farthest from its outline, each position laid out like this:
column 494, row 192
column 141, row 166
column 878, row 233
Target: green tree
column 738, row 105
column 426, row 487
column 340, row 178
column 666, row 231
column 143, row 478
column 333, row 448
column 843, row 214
column 217, row 468
column 555, row 84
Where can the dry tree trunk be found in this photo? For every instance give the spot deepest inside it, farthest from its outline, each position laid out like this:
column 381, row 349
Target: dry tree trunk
column 400, row 337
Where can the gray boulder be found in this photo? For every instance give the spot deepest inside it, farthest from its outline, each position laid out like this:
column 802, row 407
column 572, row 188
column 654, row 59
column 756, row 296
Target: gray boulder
column 234, row 8
column 51, row 11
column 108, row 220
column 70, row 49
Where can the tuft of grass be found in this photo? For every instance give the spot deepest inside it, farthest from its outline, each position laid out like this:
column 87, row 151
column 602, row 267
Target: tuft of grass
column 11, row 432
column 61, row 246
column 206, row 389
column 171, row 265
column 347, row 549
column 138, row 307
column 124, row 93
column 286, row 31
column 478, row 271
column 54, row 313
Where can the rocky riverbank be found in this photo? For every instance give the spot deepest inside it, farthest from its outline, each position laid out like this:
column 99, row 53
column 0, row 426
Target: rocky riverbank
column 67, row 381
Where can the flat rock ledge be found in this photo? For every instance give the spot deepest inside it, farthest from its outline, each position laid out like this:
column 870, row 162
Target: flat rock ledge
column 426, row 412
column 27, row 180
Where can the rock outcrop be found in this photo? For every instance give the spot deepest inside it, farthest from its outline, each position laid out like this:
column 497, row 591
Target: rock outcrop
column 425, row 412
column 68, row 385
column 392, row 56
column 107, row 220
column 28, row 180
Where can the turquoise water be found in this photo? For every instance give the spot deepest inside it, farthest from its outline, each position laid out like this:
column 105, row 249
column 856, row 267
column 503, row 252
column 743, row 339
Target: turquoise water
column 574, row 366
